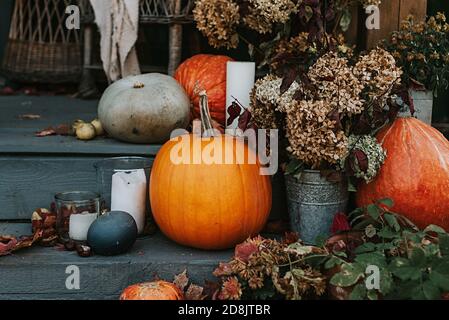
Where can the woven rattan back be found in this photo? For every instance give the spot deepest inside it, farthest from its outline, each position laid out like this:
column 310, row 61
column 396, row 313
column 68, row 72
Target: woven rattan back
column 40, row 47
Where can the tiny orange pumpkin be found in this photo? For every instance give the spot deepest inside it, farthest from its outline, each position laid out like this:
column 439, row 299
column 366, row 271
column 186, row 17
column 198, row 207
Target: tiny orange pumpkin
column 157, row 290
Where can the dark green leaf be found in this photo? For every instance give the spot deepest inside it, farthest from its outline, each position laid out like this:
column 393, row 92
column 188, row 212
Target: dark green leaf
column 374, row 258
column 356, row 212
column 341, row 254
column 332, row 262
column 387, row 233
column 373, row 211
column 443, row 240
column 366, row 247
column 442, row 267
column 431, row 292
column 386, row 281
column 408, row 289
column 434, row 228
column 402, row 269
column 385, row 246
column 320, row 241
column 392, row 222
column 363, row 224
column 358, row 293
column 350, row 274
column 439, row 280
column 372, row 295
column 386, row 202
column 408, row 273
column 292, row 167
column 417, row 258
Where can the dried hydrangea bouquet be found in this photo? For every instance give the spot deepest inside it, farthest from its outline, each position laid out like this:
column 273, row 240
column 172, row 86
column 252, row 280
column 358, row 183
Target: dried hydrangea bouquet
column 329, row 115
column 332, row 113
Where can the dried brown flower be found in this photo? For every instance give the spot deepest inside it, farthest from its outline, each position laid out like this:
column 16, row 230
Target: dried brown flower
column 218, row 21
column 231, row 289
column 266, row 99
column 336, row 83
column 377, row 70
column 264, row 13
column 265, row 263
column 314, row 138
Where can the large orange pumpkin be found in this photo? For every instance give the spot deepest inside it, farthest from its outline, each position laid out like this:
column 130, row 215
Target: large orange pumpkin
column 158, row 290
column 209, row 205
column 206, row 72
column 415, row 174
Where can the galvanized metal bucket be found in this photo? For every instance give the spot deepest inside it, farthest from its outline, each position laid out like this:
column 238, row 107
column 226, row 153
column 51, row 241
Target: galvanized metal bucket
column 423, row 102
column 313, row 201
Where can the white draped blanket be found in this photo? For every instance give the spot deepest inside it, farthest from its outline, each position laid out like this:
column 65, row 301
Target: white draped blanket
column 118, row 22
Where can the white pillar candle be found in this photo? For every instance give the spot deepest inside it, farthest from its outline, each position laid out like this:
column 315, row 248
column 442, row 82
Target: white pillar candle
column 129, row 194
column 239, row 83
column 79, row 225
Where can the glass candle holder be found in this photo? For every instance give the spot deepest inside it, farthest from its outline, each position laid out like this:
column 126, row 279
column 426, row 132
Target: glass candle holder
column 123, row 185
column 76, row 211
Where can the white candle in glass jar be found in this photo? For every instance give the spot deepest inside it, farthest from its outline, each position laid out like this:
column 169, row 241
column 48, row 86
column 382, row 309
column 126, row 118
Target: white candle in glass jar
column 79, row 225
column 129, row 194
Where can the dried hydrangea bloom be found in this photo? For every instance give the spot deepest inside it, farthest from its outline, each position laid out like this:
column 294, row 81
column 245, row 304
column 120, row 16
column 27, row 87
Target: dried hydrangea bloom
column 337, row 84
column 378, row 71
column 276, row 11
column 262, row 14
column 266, row 100
column 218, row 21
column 256, row 22
column 313, row 137
column 296, row 45
column 374, row 152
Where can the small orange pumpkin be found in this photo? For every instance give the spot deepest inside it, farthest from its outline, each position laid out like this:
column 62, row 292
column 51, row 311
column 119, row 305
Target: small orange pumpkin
column 158, row 290
column 213, row 205
column 206, row 72
column 415, row 174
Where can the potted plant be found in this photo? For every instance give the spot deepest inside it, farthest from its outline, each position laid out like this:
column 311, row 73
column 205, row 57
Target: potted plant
column 328, row 113
column 422, row 50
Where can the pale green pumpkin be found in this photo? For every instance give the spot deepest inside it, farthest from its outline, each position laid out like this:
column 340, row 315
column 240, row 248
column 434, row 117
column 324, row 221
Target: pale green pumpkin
column 144, row 108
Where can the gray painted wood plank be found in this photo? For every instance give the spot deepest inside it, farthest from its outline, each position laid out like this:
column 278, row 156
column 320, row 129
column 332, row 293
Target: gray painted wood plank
column 25, row 143
column 40, row 273
column 15, row 229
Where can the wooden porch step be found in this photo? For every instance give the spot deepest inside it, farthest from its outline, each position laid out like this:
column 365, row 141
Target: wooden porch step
column 40, row 273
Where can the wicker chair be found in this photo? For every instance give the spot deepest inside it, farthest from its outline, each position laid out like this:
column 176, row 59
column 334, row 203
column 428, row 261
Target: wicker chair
column 174, row 13
column 40, row 48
